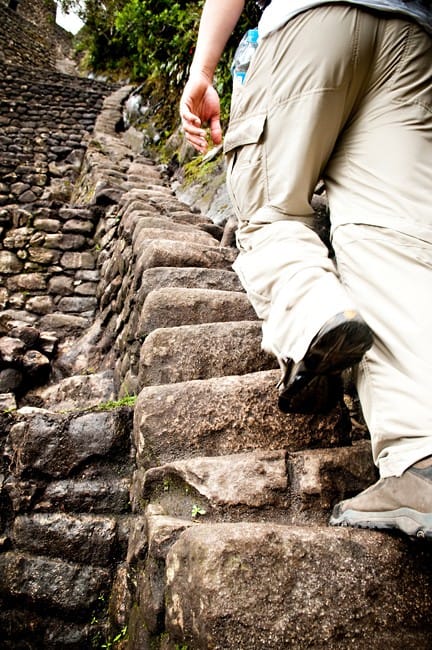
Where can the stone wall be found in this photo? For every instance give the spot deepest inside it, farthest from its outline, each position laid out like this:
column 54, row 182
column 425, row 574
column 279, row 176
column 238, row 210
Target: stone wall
column 45, row 118
column 47, row 250
column 39, row 12
column 24, row 42
column 48, row 256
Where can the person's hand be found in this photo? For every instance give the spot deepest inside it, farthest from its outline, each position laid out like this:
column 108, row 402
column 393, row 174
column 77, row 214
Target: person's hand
column 200, row 106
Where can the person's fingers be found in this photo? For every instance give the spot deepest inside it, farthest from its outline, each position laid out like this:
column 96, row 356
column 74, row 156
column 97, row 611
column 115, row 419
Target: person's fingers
column 199, row 143
column 215, row 130
column 191, row 129
column 188, row 115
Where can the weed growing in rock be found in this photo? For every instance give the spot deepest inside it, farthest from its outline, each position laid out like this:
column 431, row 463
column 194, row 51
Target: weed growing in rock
column 197, row 511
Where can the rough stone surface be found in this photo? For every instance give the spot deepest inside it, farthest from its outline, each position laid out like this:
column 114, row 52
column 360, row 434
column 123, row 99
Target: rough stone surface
column 175, row 354
column 57, row 444
column 237, row 413
column 85, row 391
column 376, row 594
column 109, row 495
column 167, row 253
column 321, row 477
column 189, row 278
column 159, row 535
column 171, row 307
column 193, row 236
column 85, row 539
column 257, row 480
column 46, row 581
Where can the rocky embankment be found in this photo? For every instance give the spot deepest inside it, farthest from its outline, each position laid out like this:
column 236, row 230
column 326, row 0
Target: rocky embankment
column 152, row 495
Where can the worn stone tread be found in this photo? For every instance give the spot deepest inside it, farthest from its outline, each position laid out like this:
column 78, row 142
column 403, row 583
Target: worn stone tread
column 290, row 487
column 185, row 352
column 222, row 416
column 316, row 587
column 186, row 278
column 162, row 252
column 170, row 307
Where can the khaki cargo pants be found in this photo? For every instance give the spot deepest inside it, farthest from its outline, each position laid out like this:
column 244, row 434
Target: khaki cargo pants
column 344, row 95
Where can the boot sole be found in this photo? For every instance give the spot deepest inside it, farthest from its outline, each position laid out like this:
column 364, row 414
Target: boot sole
column 411, row 522
column 316, row 386
column 339, row 348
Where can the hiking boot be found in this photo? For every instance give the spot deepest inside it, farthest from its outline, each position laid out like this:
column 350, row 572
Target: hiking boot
column 314, row 384
column 398, row 502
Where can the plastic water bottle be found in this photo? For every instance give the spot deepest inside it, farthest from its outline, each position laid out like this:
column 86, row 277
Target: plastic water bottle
column 243, row 56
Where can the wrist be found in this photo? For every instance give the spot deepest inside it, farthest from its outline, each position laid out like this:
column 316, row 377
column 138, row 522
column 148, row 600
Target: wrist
column 204, row 73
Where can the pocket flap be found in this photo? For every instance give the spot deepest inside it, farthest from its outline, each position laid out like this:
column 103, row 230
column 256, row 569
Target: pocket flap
column 244, row 131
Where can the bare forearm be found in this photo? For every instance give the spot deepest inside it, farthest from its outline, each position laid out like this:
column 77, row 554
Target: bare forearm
column 219, row 17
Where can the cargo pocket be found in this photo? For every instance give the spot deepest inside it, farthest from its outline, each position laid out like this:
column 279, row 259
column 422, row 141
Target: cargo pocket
column 246, row 165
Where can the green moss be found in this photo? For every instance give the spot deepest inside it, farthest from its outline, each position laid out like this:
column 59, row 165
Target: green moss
column 128, row 400
column 198, row 169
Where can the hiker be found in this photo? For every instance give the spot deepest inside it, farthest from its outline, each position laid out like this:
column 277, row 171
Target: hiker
column 340, row 92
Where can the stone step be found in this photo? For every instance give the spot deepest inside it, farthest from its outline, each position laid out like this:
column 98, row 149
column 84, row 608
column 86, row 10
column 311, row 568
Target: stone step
column 266, row 586
column 297, row 488
column 136, row 222
column 175, row 354
column 225, row 415
column 193, row 236
column 172, row 307
column 186, row 278
column 161, row 252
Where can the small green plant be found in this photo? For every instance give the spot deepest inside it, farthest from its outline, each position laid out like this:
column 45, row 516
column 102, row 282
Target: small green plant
column 119, row 637
column 197, row 511
column 128, row 400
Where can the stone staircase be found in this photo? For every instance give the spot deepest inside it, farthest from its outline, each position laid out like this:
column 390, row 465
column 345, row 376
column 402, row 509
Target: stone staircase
column 233, row 497
column 199, row 521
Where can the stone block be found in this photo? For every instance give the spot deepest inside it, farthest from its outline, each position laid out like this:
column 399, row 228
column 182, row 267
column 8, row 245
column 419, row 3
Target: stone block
column 77, row 304
column 64, row 323
column 7, row 402
column 171, row 307
column 80, row 226
column 74, row 260
column 85, row 539
column 321, row 477
column 143, row 236
column 223, row 416
column 11, row 349
column 55, row 444
column 10, row 263
column 61, row 285
column 175, row 354
column 31, row 629
column 51, row 583
column 27, row 282
column 99, row 496
column 174, row 253
column 266, row 586
column 41, row 255
column 192, row 278
column 248, row 485
column 40, row 304
column 10, row 380
column 47, row 225
column 156, row 534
